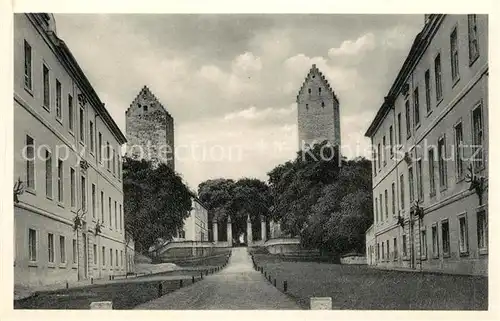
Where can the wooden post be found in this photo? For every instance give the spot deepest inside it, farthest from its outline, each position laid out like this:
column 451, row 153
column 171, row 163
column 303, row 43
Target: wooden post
column 285, row 286
column 160, row 289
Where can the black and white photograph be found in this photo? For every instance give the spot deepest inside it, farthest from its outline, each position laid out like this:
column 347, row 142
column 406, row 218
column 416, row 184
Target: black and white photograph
column 250, row 161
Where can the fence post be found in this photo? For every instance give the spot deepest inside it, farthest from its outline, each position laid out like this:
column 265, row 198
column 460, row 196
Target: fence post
column 180, row 283
column 274, row 282
column 201, row 275
column 160, row 289
column 285, row 286
column 192, row 279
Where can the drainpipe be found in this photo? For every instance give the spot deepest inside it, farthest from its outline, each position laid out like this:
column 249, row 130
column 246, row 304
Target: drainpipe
column 393, row 108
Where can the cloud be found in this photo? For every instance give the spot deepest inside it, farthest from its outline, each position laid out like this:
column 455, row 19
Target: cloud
column 348, row 47
column 246, row 64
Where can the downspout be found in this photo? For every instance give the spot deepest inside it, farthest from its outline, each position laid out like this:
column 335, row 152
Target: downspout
column 393, row 108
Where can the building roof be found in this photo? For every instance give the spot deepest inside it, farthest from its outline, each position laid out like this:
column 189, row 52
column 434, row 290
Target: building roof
column 146, row 91
column 420, row 43
column 72, row 66
column 315, row 71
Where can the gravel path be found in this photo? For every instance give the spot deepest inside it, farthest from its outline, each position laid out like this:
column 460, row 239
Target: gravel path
column 238, row 286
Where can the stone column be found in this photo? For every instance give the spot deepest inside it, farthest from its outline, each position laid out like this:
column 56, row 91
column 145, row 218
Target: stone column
column 249, row 231
column 263, row 228
column 229, row 232
column 215, row 231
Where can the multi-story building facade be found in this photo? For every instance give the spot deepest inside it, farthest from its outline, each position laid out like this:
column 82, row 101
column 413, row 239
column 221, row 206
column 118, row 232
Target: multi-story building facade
column 66, row 154
column 430, row 139
column 196, row 225
column 150, row 130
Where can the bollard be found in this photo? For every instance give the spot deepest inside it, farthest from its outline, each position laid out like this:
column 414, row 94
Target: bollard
column 265, row 275
column 201, row 275
column 180, row 283
column 67, row 285
column 269, row 278
column 285, row 286
column 261, row 270
column 91, row 280
column 160, row 289
column 274, row 283
column 192, row 279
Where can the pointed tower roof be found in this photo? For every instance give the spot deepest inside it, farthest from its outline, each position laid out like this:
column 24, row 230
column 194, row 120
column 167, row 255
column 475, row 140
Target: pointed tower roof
column 145, row 92
column 314, row 71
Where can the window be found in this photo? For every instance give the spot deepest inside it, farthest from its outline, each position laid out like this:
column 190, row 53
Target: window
column 319, row 91
column 416, row 108
column 28, row 80
column 111, row 257
column 384, row 145
column 379, row 153
column 109, row 213
column 119, row 165
column 46, row 88
column 420, row 182
column 391, row 141
column 50, row 247
column 432, row 182
column 116, row 257
column 454, row 55
column 60, row 181
column 103, row 256
column 307, row 106
column 427, row 90
column 91, row 133
column 477, row 137
column 58, row 100
column 402, row 190
column 62, row 249
column 437, row 76
column 464, row 238
column 30, row 162
column 73, row 187
column 102, row 207
column 116, row 217
column 381, row 210
column 388, row 250
column 82, row 125
column 405, row 252
column 482, row 230
column 395, row 245
column 393, row 198
column 114, row 162
column 383, row 251
column 435, row 242
column 74, row 252
column 108, row 154
column 71, row 117
column 399, row 129
column 100, row 147
column 121, row 218
column 423, row 244
column 145, row 108
column 473, row 40
column 94, row 209
column 410, row 184
column 378, row 251
column 94, row 251
column 442, row 162
column 459, row 161
column 84, row 194
column 445, row 237
column 48, row 174
column 121, row 257
column 376, row 210
column 32, row 249
column 374, row 160
column 386, row 204
column 309, row 90
column 408, row 120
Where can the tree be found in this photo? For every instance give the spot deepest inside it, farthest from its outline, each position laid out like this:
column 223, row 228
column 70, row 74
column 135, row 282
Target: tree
column 156, row 202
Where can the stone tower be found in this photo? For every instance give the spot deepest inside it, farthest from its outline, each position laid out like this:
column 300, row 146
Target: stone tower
column 150, row 130
column 318, row 111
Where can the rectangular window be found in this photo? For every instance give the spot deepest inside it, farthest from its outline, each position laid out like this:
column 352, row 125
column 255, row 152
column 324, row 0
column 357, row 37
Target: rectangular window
column 437, row 76
column 445, row 237
column 48, row 174
column 459, row 159
column 60, row 181
column 116, row 257
column 121, row 218
column 94, row 251
column 121, row 257
column 384, row 145
column 82, row 125
column 435, row 241
column 94, row 208
column 119, row 164
column 32, row 245
column 410, row 184
column 386, row 199
column 379, row 154
column 391, row 141
column 111, row 258
column 91, row 134
column 100, row 147
column 442, row 162
column 108, row 158
column 464, row 237
column 477, row 137
column 114, row 162
column 399, row 129
column 416, row 108
column 395, row 245
column 75, row 252
column 381, row 208
column 109, row 213
column 30, row 162
column 71, row 116
column 402, row 191
column 383, row 251
column 420, row 182
column 427, row 90
column 423, row 244
column 376, row 210
column 58, row 100
column 84, row 194
column 46, row 87
column 408, row 119
column 388, row 250
column 405, row 252
column 62, row 248
column 102, row 207
column 393, row 198
column 73, row 187
column 28, row 80
column 116, row 217
column 482, row 230
column 432, row 182
column 103, row 256
column 50, row 247
column 473, row 39
column 378, row 251
column 454, row 55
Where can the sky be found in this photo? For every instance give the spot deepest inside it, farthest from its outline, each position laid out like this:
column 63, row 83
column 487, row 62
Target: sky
column 230, row 81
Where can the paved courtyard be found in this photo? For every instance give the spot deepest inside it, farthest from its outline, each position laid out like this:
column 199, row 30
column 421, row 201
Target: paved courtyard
column 238, row 286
